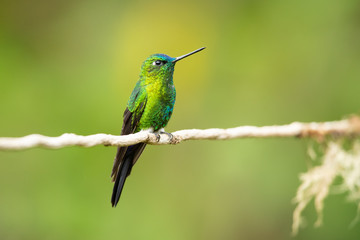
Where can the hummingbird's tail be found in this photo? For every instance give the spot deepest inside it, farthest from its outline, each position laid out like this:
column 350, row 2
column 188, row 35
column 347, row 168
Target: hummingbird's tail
column 125, row 169
column 132, row 154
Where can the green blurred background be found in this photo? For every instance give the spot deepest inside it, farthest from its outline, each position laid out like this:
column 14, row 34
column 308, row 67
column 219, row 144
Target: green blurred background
column 70, row 66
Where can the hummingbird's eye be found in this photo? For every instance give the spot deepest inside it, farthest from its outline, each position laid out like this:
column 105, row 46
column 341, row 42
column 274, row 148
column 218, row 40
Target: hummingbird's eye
column 158, row 63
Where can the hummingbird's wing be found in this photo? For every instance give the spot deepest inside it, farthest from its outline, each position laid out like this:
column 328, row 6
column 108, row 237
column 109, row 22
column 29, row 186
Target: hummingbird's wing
column 131, row 118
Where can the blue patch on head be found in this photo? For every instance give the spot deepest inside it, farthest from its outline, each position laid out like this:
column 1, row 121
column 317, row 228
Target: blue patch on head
column 162, row 57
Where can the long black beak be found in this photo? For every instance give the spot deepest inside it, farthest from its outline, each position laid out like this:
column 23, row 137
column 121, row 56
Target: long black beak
column 186, row 55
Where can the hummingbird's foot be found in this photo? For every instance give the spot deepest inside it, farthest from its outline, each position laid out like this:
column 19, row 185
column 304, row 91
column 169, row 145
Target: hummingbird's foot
column 157, row 135
column 171, row 137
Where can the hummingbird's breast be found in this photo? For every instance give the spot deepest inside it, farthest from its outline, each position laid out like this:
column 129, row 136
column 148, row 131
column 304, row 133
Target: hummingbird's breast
column 159, row 106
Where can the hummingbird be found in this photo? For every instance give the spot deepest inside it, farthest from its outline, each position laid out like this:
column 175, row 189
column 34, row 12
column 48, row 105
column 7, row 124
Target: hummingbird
column 149, row 109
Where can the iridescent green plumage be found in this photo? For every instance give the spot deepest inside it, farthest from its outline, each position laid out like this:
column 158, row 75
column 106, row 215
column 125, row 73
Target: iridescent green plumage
column 149, row 108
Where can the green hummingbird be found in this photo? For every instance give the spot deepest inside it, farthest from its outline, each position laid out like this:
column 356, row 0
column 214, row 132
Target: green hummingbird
column 149, row 108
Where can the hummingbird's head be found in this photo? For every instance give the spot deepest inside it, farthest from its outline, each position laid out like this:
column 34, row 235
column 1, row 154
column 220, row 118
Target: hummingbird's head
column 158, row 65
column 161, row 66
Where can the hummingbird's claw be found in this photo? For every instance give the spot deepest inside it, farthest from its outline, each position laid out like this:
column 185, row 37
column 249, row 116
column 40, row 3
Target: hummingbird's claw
column 169, row 135
column 157, row 135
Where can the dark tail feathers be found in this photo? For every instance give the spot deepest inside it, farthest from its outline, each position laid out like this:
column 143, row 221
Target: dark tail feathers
column 124, row 171
column 130, row 157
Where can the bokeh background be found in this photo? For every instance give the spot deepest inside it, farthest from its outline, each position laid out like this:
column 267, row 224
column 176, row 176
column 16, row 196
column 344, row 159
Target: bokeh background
column 70, row 66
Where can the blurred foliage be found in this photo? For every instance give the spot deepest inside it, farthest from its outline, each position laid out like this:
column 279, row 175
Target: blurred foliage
column 70, row 66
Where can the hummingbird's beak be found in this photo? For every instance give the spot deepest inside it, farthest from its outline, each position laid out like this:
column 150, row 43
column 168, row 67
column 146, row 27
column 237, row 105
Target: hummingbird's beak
column 186, row 55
